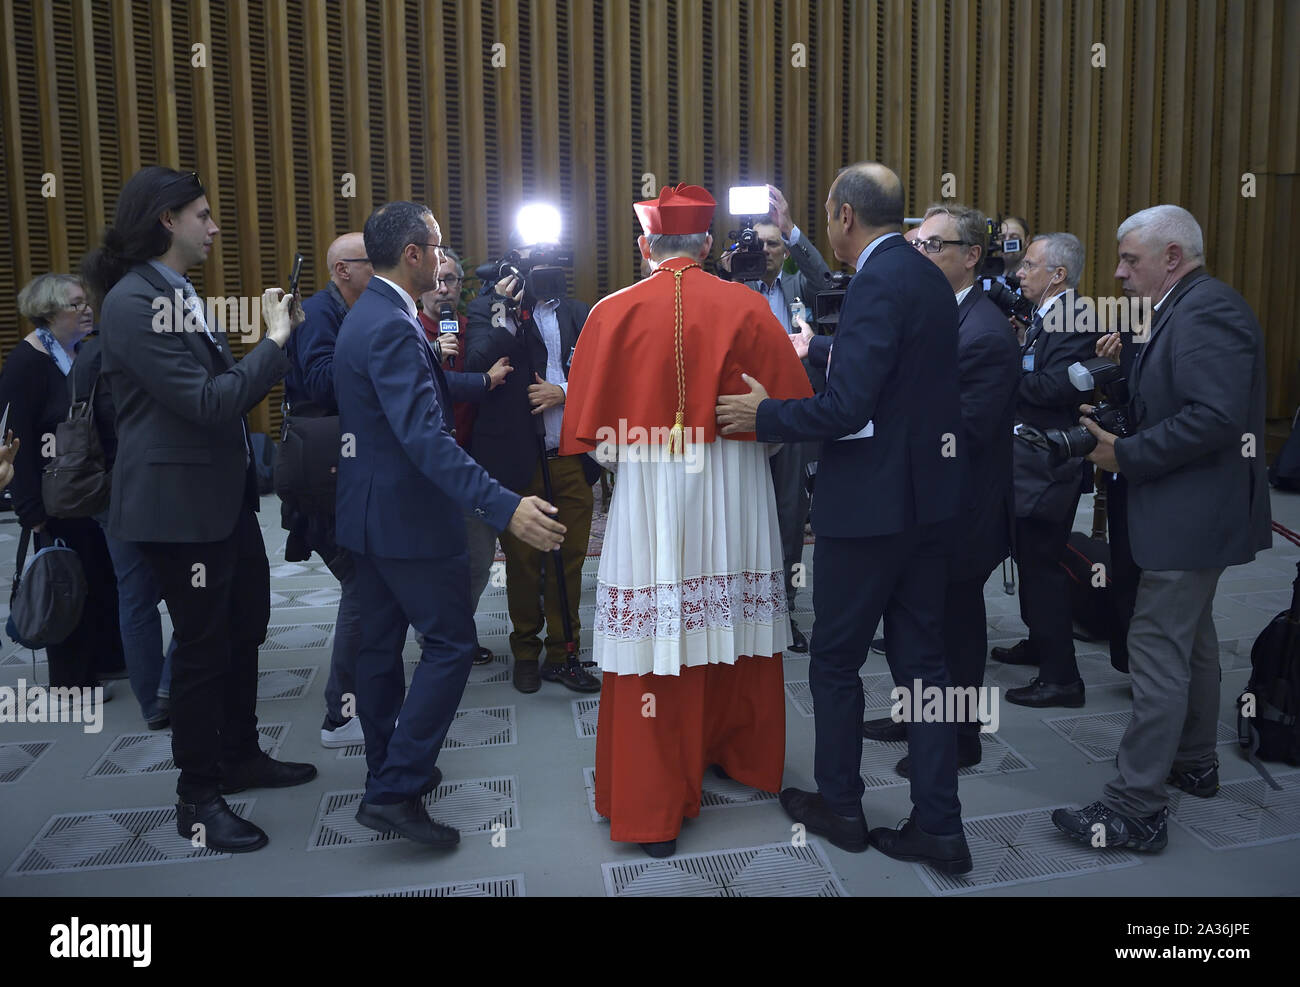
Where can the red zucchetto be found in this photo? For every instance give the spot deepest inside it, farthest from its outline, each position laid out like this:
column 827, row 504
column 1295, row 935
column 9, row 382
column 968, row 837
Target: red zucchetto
column 678, row 211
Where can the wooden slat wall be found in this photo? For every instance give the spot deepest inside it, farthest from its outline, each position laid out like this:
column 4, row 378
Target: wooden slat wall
column 1002, row 94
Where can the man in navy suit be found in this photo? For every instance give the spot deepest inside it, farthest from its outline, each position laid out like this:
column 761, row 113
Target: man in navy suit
column 888, row 486
column 955, row 238
column 403, row 488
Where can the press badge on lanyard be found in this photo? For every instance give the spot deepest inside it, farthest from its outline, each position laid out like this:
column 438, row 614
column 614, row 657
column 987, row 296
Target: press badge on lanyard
column 1027, row 362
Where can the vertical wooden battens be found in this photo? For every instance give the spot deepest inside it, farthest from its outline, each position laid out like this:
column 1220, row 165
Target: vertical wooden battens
column 397, row 125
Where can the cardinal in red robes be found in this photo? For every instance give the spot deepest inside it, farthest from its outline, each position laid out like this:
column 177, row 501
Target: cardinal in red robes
column 691, row 614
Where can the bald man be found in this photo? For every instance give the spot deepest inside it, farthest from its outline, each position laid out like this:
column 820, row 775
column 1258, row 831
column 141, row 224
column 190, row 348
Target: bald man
column 309, row 393
column 888, row 486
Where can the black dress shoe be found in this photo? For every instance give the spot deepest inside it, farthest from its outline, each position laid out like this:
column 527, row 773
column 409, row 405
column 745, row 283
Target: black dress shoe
column 660, row 850
column 432, row 783
column 946, row 854
column 967, row 757
column 800, row 645
column 221, row 830
column 884, row 730
column 483, row 657
column 264, row 771
column 526, row 676
column 572, row 674
column 160, row 722
column 1017, row 654
column 846, row 832
column 1043, row 694
column 408, row 819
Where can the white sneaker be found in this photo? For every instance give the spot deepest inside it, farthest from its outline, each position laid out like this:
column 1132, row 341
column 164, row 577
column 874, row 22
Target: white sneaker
column 349, row 733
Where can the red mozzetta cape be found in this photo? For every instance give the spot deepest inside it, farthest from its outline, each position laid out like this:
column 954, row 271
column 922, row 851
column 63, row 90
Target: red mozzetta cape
column 624, row 367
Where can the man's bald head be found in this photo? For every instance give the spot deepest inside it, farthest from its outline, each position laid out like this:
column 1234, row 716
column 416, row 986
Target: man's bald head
column 349, row 269
column 872, row 191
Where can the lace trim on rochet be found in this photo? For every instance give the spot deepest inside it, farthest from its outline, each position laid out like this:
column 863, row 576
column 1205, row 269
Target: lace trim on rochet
column 694, row 604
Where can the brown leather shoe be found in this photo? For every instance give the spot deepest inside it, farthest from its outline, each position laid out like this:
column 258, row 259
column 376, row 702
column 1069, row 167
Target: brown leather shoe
column 528, row 678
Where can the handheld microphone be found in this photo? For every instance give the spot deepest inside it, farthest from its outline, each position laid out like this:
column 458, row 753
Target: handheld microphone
column 447, row 323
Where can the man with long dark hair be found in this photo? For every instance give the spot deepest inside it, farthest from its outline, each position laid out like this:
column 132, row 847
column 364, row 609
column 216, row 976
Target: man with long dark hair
column 185, row 489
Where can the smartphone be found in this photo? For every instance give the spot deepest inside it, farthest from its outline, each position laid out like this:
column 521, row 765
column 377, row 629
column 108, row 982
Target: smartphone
column 295, row 273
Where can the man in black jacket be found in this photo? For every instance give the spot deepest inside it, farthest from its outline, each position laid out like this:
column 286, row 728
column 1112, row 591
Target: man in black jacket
column 1046, row 496
column 185, row 488
column 955, row 238
column 538, row 337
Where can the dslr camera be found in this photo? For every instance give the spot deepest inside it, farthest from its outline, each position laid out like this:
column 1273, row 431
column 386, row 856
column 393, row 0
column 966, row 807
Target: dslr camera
column 1011, row 301
column 1112, row 415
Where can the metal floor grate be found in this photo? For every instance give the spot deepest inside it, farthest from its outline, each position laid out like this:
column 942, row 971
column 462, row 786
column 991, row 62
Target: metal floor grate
column 1097, row 735
column 879, row 759
column 15, row 759
column 290, row 599
column 876, row 687
column 774, row 870
column 716, row 793
column 1022, row 848
column 151, row 752
column 492, row 622
column 473, row 806
column 491, row 726
column 586, row 713
column 20, row 657
column 298, row 637
column 283, row 683
column 498, row 670
column 113, row 838
column 508, row 886
column 1245, row 813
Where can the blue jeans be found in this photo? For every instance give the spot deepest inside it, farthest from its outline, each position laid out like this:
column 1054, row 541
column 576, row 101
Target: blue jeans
column 138, row 594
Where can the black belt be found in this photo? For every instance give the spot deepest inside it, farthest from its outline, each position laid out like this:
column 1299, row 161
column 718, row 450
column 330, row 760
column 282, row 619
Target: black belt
column 552, row 453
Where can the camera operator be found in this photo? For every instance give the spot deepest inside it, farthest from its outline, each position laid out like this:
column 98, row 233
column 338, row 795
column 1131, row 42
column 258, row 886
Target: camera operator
column 537, row 336
column 448, row 347
column 955, row 238
column 1046, row 495
column 782, row 239
column 1197, row 503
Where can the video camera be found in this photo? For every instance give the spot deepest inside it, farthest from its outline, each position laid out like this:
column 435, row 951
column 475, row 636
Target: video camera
column 540, row 263
column 1000, row 244
column 747, row 201
column 829, row 301
column 1066, row 443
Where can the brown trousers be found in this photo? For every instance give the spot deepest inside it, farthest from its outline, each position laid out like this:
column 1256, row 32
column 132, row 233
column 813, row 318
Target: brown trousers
column 524, row 564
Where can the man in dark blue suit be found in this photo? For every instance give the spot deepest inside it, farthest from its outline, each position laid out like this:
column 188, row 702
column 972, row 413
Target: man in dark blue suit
column 403, row 487
column 955, row 238
column 888, row 486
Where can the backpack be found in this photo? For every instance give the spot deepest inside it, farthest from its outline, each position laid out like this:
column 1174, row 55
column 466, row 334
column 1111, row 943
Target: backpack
column 77, row 482
column 48, row 596
column 1090, row 605
column 1268, row 712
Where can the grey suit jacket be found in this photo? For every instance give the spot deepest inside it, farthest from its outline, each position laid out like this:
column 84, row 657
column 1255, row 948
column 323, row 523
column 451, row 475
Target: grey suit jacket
column 1197, row 494
column 805, row 283
column 182, row 472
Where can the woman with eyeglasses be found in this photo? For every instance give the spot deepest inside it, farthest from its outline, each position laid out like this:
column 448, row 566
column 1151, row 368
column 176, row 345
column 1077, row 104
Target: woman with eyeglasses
column 34, row 387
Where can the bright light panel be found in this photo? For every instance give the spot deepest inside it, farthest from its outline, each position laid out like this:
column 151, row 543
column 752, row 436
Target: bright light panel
column 747, row 200
column 538, row 222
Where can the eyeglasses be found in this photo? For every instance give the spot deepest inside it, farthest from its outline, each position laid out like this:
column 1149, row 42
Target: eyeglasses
column 935, row 244
column 355, row 260
column 450, row 282
column 80, row 306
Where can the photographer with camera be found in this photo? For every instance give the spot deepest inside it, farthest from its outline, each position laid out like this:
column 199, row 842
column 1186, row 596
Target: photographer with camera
column 1047, row 494
column 1197, row 503
column 527, row 318
column 786, row 293
column 954, row 238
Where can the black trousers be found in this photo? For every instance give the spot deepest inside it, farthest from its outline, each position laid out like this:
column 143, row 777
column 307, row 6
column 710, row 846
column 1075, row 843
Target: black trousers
column 901, row 576
column 1124, row 572
column 965, row 641
column 219, row 598
column 1045, row 596
column 96, row 643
